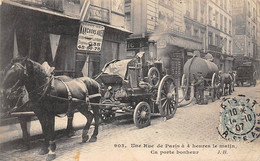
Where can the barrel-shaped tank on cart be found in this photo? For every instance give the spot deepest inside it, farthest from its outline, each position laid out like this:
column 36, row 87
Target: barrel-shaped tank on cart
column 197, row 64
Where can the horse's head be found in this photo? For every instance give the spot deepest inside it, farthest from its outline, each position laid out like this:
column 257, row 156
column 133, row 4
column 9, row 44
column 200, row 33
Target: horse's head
column 13, row 76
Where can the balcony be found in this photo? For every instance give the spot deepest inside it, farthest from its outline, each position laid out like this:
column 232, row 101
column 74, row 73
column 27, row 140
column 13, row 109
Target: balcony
column 214, row 48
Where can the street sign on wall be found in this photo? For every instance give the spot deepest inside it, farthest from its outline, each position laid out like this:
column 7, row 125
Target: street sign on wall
column 90, row 37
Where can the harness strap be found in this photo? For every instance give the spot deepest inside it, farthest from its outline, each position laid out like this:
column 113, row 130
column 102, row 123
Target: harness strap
column 68, row 90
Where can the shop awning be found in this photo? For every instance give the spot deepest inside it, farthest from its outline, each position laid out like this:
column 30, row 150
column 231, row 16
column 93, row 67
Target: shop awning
column 45, row 10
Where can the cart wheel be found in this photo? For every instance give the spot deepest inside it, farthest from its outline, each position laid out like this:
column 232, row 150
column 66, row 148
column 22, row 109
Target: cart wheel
column 213, row 87
column 167, row 97
column 107, row 115
column 154, row 77
column 185, row 87
column 142, row 115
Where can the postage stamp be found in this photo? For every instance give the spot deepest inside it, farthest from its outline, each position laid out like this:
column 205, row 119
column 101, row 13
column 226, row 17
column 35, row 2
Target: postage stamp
column 238, row 119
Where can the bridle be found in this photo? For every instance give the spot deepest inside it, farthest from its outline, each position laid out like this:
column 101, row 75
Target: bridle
column 44, row 88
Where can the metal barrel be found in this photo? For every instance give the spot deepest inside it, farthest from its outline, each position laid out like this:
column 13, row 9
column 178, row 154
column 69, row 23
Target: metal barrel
column 198, row 64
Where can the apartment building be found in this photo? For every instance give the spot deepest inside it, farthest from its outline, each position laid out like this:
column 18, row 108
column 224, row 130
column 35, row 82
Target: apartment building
column 166, row 30
column 219, row 32
column 244, row 28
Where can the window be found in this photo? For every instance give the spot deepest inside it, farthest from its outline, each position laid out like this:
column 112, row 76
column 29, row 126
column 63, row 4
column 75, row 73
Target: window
column 248, row 28
column 188, row 30
column 225, row 4
column 221, row 22
column 196, row 9
column 229, row 47
column 210, row 38
column 248, row 9
column 209, row 16
column 230, row 27
column 254, row 15
column 253, row 32
column 127, row 15
column 196, row 33
column 188, row 7
column 216, row 19
column 216, row 40
column 225, row 24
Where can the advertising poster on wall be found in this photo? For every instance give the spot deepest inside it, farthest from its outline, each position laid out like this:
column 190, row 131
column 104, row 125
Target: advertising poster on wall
column 90, row 37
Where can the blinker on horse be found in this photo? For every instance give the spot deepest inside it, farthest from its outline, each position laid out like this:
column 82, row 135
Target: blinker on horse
column 49, row 96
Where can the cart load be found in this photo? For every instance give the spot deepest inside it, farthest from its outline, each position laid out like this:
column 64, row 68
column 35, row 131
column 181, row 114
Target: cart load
column 197, row 64
column 136, row 87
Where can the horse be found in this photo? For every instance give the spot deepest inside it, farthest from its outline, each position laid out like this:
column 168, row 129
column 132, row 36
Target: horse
column 226, row 81
column 52, row 96
column 16, row 100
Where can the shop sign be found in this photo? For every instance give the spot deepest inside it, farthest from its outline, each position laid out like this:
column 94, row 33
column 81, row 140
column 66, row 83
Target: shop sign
column 138, row 43
column 90, row 37
column 97, row 13
column 161, row 43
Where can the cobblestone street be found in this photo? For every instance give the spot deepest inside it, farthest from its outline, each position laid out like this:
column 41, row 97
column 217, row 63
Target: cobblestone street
column 193, row 125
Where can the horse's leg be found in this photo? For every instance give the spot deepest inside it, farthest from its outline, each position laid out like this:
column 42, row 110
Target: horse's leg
column 51, row 137
column 96, row 118
column 89, row 117
column 43, row 121
column 230, row 89
column 26, row 135
column 70, row 130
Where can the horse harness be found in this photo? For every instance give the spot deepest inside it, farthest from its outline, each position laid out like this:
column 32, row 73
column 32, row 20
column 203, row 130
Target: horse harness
column 70, row 98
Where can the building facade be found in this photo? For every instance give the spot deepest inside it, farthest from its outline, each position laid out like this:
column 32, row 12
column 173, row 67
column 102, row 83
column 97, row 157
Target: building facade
column 48, row 30
column 219, row 33
column 166, row 31
column 244, row 28
column 257, row 58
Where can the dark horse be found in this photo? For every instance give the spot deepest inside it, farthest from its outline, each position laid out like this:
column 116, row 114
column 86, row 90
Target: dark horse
column 226, row 81
column 49, row 96
column 15, row 99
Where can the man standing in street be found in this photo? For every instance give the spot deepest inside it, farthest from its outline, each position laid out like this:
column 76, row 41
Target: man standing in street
column 199, row 89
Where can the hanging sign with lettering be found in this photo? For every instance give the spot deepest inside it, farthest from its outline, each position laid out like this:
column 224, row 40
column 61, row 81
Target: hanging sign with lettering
column 90, row 37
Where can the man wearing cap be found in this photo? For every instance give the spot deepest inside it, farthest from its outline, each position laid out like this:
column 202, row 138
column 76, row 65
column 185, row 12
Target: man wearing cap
column 199, row 86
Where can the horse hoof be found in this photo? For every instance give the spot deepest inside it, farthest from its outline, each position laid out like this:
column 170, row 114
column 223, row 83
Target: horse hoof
column 51, row 157
column 24, row 148
column 93, row 139
column 72, row 133
column 43, row 151
column 85, row 138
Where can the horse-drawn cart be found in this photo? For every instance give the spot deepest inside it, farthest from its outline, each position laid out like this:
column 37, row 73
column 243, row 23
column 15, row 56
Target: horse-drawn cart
column 245, row 72
column 133, row 86
column 209, row 71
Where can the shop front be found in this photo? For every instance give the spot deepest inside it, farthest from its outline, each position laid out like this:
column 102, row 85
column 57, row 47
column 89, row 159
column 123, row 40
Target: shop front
column 50, row 32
